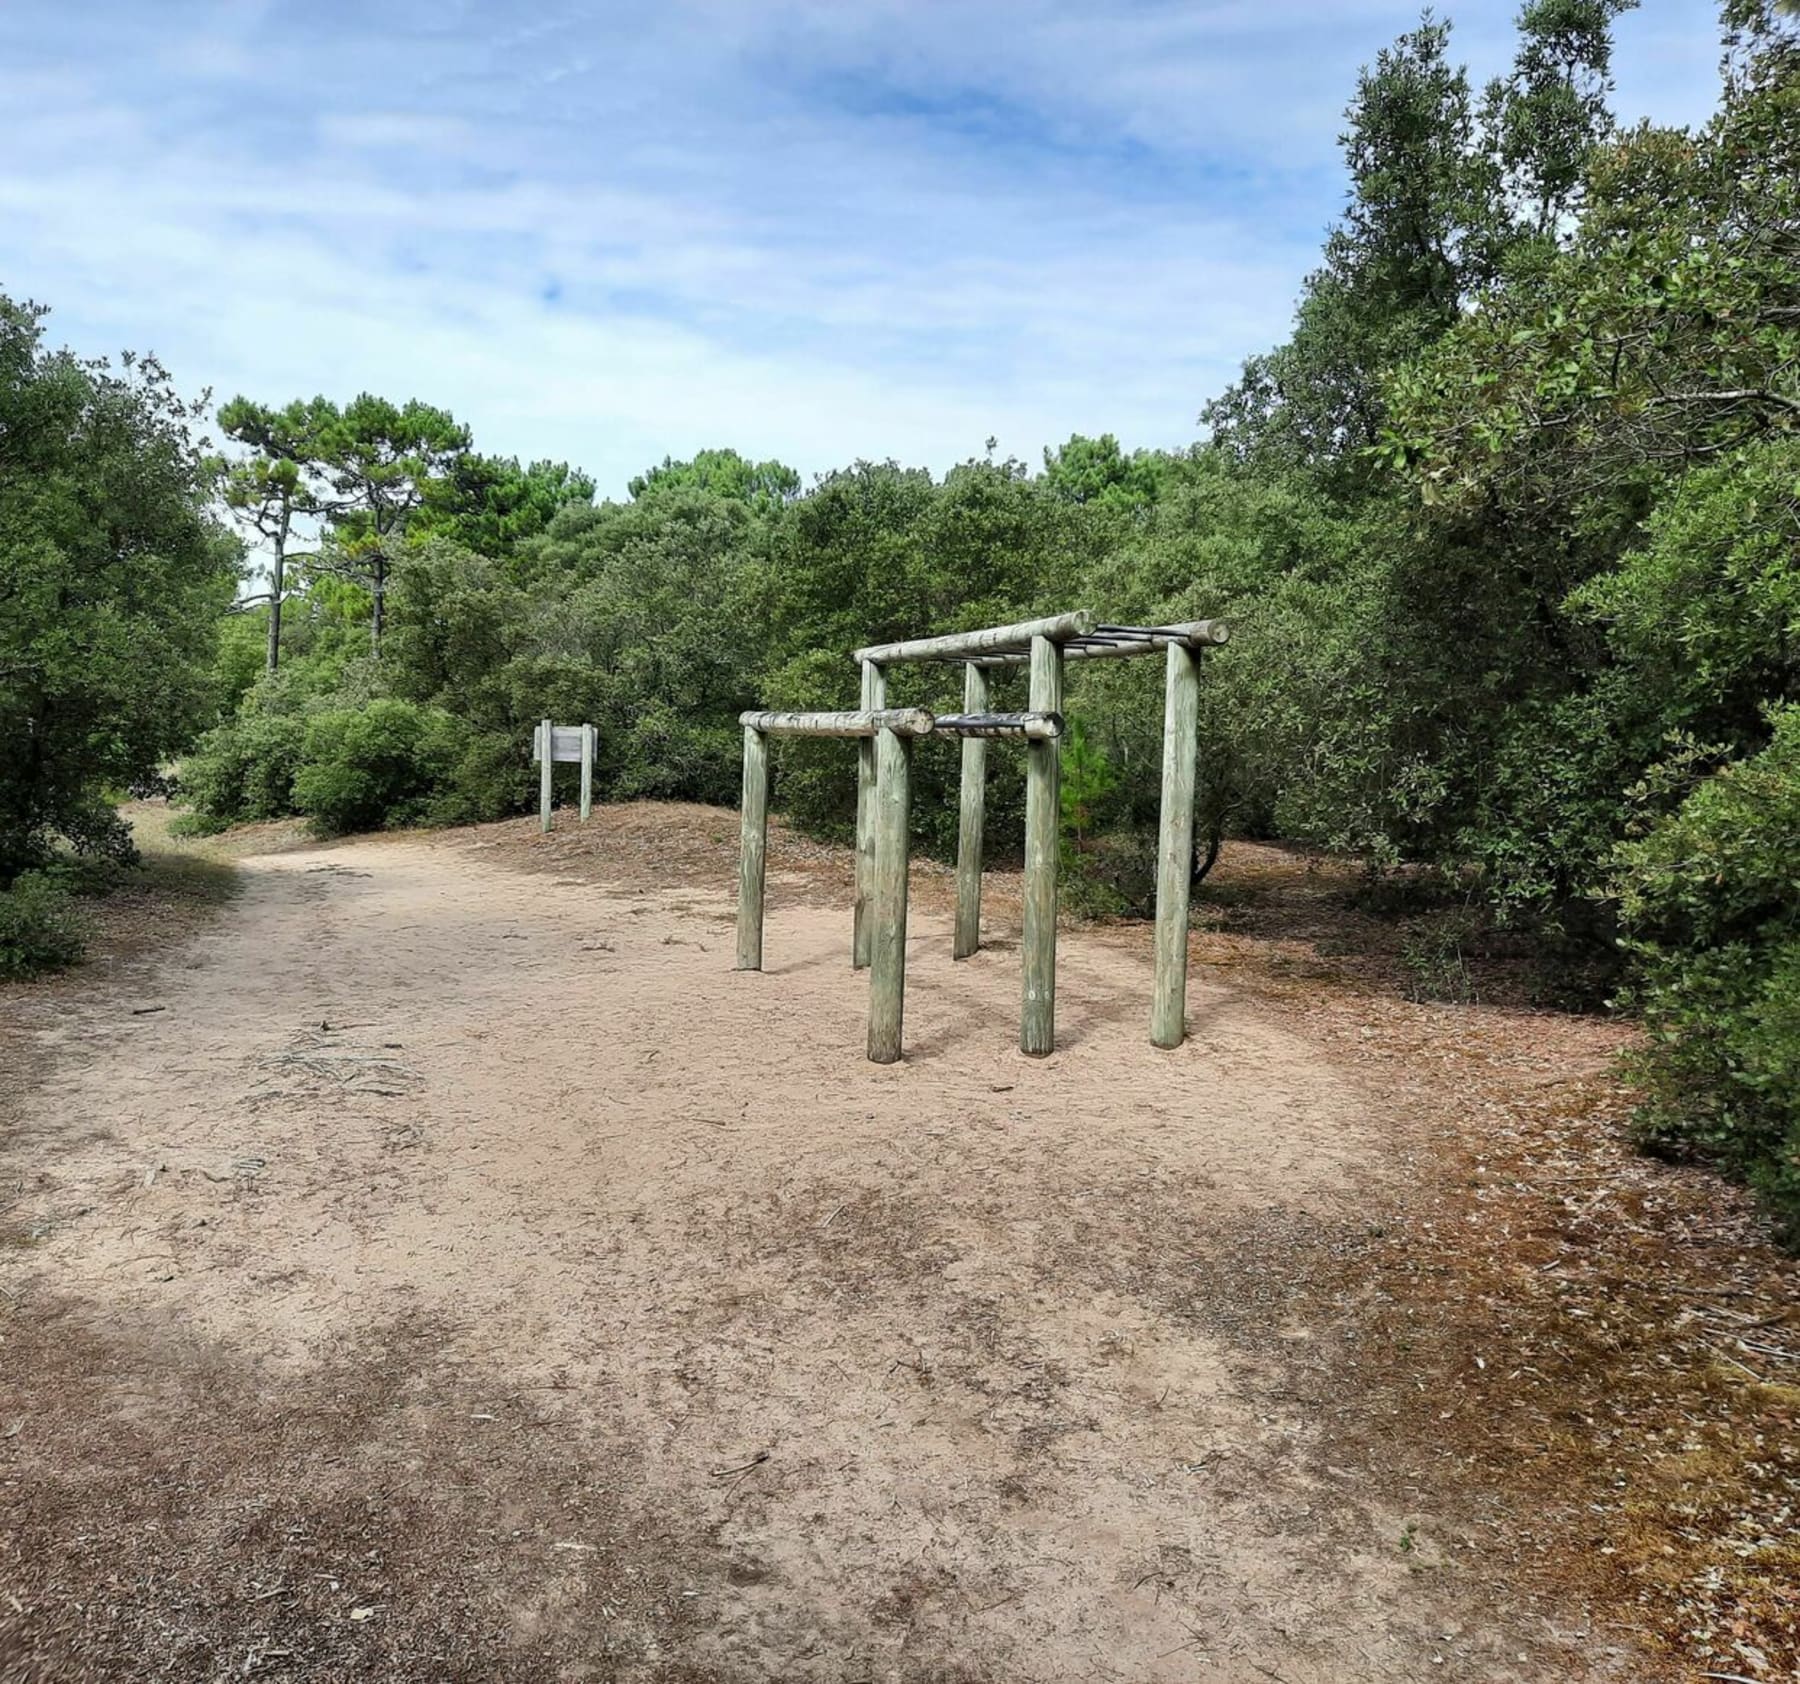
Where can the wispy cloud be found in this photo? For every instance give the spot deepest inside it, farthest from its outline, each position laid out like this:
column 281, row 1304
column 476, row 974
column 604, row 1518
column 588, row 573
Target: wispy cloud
column 808, row 228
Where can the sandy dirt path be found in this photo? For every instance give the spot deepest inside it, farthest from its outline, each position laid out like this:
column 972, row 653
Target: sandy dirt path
column 463, row 1273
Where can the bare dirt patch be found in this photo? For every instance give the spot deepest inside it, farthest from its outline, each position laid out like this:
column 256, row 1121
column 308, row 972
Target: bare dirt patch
column 467, row 1275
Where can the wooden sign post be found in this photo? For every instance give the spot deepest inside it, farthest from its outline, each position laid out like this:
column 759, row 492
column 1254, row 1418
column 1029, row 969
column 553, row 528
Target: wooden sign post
column 568, row 744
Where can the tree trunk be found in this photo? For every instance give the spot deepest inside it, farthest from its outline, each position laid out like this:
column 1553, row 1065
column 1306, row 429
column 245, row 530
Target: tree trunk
column 277, row 573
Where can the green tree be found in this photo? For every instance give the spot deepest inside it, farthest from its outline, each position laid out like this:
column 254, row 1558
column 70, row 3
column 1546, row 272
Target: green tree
column 271, row 487
column 113, row 578
column 382, row 463
column 723, row 473
column 1545, row 118
column 492, row 504
column 1086, row 470
column 1396, row 267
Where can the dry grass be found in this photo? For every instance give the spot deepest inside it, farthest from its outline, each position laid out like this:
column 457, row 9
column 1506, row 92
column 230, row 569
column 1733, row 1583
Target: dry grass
column 181, row 887
column 1614, row 1338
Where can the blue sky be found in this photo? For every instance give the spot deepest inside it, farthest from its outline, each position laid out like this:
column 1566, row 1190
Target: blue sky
column 812, row 229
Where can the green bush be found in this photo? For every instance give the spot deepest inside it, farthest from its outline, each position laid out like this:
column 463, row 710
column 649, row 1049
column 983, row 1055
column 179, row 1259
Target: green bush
column 244, row 769
column 382, row 766
column 41, row 927
column 488, row 779
column 1710, row 901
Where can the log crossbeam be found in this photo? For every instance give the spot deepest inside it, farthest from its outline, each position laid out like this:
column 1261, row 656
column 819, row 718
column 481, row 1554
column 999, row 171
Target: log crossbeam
column 903, row 722
column 1106, row 642
column 1033, row 727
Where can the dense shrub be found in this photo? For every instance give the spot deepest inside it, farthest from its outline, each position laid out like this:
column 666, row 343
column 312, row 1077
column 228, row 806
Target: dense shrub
column 378, row 767
column 113, row 580
column 487, row 778
column 41, row 927
column 244, row 769
column 1710, row 899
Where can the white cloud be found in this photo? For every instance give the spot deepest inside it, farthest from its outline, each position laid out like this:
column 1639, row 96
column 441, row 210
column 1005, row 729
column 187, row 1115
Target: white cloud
column 809, row 229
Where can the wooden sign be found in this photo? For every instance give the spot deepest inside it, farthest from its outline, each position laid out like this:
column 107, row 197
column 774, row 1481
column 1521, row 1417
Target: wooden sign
column 568, row 744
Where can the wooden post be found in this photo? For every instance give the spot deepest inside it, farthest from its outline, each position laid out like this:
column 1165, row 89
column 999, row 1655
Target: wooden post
column 753, row 850
column 874, row 696
column 587, row 770
column 886, row 919
column 972, row 820
column 1043, row 800
column 547, row 747
column 1175, row 847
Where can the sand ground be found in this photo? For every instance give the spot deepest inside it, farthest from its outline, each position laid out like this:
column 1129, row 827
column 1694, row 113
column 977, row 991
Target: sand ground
column 442, row 1270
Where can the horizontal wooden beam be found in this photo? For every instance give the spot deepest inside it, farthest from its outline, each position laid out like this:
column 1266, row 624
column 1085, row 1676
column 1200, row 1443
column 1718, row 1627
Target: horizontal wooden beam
column 957, row 646
column 1034, row 727
column 1115, row 642
column 905, row 722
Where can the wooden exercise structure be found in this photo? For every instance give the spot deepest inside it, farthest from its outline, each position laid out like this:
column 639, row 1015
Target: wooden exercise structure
column 568, row 744
column 1043, row 646
column 884, row 739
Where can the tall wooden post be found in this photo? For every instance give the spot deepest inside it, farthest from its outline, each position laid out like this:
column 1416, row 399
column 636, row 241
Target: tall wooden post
column 587, row 770
column 887, row 901
column 753, row 850
column 1043, row 799
column 546, row 747
column 874, row 695
column 972, row 820
column 1175, row 846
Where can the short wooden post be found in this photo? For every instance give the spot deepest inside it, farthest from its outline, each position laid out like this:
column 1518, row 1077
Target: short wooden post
column 1043, row 793
column 547, row 748
column 588, row 734
column 1175, row 847
column 874, row 695
column 972, row 820
column 887, row 900
column 753, row 850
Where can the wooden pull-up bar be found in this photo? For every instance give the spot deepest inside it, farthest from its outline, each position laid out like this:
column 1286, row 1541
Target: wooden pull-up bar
column 956, row 646
column 1034, row 727
column 871, row 722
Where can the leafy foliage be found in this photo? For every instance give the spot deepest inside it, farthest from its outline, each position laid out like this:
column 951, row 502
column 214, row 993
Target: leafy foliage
column 1711, row 904
column 113, row 578
column 41, row 927
column 385, row 765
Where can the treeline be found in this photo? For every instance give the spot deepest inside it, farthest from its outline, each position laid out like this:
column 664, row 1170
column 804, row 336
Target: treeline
column 1508, row 533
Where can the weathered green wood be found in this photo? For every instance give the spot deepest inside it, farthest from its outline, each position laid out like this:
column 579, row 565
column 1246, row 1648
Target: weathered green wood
column 547, row 765
column 874, row 696
column 587, row 770
column 972, row 821
column 956, row 645
column 863, row 722
column 753, row 850
column 1175, row 847
column 887, row 902
column 1124, row 642
column 1037, row 1017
